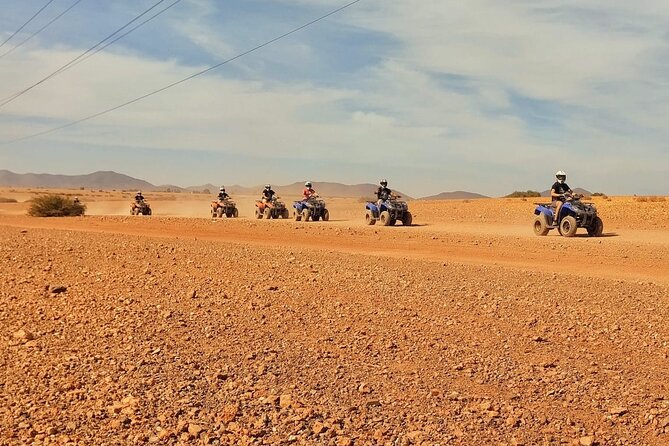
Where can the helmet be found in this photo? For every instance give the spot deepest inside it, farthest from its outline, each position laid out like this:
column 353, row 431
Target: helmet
column 384, row 182
column 268, row 186
column 561, row 176
column 139, row 192
column 307, row 184
column 222, row 189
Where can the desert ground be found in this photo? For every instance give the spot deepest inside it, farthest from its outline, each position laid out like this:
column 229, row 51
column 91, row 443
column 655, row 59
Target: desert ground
column 462, row 329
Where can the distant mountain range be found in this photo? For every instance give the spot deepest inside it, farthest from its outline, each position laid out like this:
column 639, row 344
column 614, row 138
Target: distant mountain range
column 457, row 195
column 114, row 180
column 118, row 181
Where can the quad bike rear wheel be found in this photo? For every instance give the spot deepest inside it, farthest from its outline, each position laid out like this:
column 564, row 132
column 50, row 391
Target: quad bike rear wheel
column 540, row 225
column 596, row 229
column 408, row 219
column 568, row 226
column 315, row 217
column 384, row 218
column 369, row 218
column 326, row 215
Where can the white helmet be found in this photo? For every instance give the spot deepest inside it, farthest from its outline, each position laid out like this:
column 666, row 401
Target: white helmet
column 307, row 184
column 222, row 189
column 561, row 176
column 139, row 192
column 268, row 186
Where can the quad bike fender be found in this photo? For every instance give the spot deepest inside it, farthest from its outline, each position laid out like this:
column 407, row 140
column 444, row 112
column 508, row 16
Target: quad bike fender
column 299, row 205
column 374, row 208
column 546, row 210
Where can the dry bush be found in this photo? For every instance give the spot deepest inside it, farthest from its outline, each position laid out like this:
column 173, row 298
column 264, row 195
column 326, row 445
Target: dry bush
column 641, row 199
column 55, row 206
column 7, row 200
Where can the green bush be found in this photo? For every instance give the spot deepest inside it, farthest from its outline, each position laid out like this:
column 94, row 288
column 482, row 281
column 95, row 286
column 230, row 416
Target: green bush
column 525, row 194
column 55, row 206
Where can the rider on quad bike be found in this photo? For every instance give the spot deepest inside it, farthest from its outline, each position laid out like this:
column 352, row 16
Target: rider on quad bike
column 559, row 191
column 267, row 194
column 383, row 193
column 308, row 192
column 222, row 195
column 139, row 197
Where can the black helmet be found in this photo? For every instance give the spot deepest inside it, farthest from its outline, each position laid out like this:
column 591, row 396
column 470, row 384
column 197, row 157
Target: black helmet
column 384, row 182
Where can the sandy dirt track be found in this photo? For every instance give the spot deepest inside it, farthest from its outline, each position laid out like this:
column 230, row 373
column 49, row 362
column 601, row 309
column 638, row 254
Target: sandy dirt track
column 464, row 329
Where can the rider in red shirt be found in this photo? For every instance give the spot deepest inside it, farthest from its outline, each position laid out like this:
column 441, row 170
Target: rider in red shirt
column 308, row 192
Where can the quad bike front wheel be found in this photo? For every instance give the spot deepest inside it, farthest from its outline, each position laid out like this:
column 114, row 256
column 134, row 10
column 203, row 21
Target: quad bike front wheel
column 306, row 213
column 369, row 218
column 408, row 219
column 258, row 214
column 219, row 212
column 285, row 214
column 268, row 213
column 297, row 215
column 568, row 226
column 540, row 225
column 235, row 213
column 326, row 215
column 384, row 218
column 596, row 229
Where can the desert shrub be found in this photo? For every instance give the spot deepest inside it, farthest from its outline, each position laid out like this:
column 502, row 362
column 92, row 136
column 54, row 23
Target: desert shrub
column 7, row 200
column 641, row 199
column 524, row 194
column 55, row 206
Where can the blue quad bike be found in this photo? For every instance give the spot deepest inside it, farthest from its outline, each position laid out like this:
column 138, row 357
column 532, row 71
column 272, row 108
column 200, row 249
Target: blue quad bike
column 313, row 209
column 574, row 214
column 388, row 213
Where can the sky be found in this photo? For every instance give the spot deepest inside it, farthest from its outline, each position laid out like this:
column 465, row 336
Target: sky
column 434, row 95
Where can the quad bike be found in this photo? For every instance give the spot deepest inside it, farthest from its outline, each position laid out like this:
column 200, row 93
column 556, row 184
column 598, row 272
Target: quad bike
column 389, row 212
column 574, row 214
column 220, row 208
column 313, row 208
column 140, row 208
column 271, row 209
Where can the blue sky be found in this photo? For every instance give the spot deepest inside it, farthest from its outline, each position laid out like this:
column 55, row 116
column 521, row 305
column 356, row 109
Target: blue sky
column 435, row 95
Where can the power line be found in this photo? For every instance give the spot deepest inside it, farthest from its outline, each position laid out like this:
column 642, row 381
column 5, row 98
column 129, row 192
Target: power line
column 42, row 28
column 68, row 65
column 126, row 33
column 24, row 25
column 181, row 81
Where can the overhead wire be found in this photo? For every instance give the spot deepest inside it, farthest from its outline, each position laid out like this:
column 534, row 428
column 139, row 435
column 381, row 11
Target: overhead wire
column 41, row 29
column 26, row 23
column 68, row 65
column 185, row 79
column 126, row 33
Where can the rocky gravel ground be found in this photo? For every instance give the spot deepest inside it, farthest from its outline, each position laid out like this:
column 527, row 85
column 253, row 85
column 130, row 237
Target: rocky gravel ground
column 115, row 339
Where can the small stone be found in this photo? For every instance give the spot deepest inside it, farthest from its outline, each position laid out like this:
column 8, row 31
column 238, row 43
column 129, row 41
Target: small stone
column 229, row 413
column 318, row 428
column 194, row 429
column 192, row 294
column 285, row 401
column 373, row 403
column 58, row 289
column 23, row 335
column 344, row 441
column 586, row 441
column 618, row 411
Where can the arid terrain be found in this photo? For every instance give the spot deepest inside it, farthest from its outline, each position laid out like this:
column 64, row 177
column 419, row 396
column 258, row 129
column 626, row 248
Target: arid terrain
column 463, row 329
